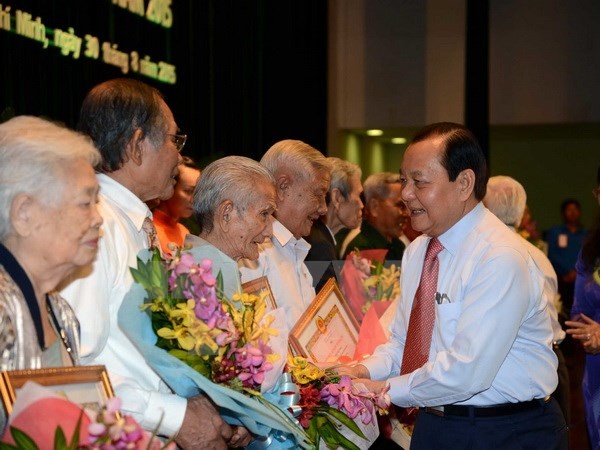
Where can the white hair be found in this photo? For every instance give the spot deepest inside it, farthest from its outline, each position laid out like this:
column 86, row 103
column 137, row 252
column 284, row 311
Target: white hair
column 378, row 185
column 295, row 158
column 342, row 172
column 33, row 155
column 506, row 198
column 231, row 178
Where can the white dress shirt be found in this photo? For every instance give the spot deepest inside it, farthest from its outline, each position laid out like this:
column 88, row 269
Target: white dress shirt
column 492, row 339
column 281, row 260
column 96, row 298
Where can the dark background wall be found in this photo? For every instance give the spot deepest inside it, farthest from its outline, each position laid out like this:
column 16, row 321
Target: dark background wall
column 249, row 73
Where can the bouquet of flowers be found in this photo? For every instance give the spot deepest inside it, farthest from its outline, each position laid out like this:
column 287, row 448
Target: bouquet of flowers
column 229, row 342
column 327, row 399
column 43, row 420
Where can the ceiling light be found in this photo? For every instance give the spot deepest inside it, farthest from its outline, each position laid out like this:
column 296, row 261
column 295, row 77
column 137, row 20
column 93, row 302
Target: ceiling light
column 398, row 140
column 374, row 132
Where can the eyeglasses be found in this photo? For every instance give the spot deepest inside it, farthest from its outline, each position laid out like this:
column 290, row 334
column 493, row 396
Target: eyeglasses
column 596, row 191
column 178, row 140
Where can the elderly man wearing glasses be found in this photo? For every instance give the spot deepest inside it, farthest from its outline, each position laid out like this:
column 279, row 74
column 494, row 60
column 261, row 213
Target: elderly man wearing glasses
column 138, row 139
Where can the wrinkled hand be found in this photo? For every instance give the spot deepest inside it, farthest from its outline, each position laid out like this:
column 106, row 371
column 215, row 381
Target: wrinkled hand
column 241, row 438
column 587, row 331
column 203, row 427
column 377, row 387
column 358, row 371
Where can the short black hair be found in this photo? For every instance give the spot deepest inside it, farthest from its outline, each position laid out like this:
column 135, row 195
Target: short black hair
column 462, row 151
column 113, row 110
column 569, row 201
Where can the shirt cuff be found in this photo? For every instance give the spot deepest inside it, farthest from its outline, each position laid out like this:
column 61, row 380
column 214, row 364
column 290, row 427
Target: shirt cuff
column 168, row 410
column 377, row 366
column 399, row 392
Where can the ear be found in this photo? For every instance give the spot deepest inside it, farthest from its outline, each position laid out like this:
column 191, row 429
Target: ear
column 373, row 206
column 466, row 183
column 224, row 215
column 135, row 147
column 283, row 183
column 336, row 198
column 22, row 214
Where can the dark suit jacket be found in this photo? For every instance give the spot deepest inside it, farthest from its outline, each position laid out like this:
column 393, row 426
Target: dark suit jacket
column 321, row 256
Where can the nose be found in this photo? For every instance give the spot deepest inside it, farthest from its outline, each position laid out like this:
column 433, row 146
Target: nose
column 97, row 219
column 322, row 206
column 407, row 192
column 268, row 231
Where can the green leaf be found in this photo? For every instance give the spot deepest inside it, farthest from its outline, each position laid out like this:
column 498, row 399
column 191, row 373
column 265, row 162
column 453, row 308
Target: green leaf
column 75, row 438
column 334, row 439
column 60, row 440
column 23, row 441
column 346, row 421
column 4, row 446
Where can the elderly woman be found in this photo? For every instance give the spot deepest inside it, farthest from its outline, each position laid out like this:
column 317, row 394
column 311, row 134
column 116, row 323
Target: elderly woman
column 49, row 226
column 233, row 203
column 344, row 210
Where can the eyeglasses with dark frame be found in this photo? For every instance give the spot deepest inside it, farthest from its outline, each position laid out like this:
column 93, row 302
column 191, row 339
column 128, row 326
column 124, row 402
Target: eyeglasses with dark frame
column 179, row 140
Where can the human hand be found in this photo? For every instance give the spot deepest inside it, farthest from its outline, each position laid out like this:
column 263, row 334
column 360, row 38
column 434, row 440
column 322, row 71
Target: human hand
column 357, row 371
column 376, row 387
column 203, row 427
column 241, row 437
column 587, row 331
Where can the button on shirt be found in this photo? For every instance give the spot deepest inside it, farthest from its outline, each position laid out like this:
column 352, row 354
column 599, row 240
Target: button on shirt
column 96, row 298
column 492, row 339
column 281, row 260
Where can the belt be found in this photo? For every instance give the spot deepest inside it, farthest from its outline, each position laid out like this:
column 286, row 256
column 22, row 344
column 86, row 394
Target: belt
column 486, row 411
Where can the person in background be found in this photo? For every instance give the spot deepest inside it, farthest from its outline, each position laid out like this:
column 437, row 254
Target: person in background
column 344, row 210
column 471, row 342
column 49, row 226
column 138, row 138
column 302, row 178
column 233, row 203
column 167, row 214
column 383, row 218
column 584, row 325
column 507, row 199
column 564, row 244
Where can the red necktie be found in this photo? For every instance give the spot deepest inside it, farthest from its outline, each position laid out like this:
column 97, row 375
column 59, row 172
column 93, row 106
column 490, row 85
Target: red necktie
column 422, row 316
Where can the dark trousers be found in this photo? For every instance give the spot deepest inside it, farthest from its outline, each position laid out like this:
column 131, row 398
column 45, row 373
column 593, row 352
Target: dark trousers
column 536, row 429
column 562, row 394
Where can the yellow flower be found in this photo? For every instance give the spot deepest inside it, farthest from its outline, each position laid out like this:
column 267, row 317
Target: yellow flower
column 184, row 339
column 303, row 371
column 263, row 331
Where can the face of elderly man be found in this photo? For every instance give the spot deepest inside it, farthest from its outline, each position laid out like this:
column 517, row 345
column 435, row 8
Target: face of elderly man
column 390, row 216
column 160, row 163
column 251, row 224
column 302, row 201
column 434, row 202
column 350, row 208
column 67, row 234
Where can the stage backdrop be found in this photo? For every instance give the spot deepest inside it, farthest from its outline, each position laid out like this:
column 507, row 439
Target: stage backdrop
column 239, row 75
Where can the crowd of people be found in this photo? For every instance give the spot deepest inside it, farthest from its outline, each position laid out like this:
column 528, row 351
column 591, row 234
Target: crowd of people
column 474, row 353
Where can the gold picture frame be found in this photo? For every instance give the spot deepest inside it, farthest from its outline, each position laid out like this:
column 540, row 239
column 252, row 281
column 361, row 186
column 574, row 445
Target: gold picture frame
column 258, row 287
column 327, row 330
column 88, row 386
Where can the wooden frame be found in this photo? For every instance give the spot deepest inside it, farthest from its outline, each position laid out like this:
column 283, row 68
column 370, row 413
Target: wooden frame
column 328, row 329
column 257, row 287
column 88, row 386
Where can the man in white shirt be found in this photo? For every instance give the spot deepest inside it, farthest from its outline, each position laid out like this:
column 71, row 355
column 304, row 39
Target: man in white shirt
column 486, row 376
column 139, row 141
column 507, row 199
column 302, row 176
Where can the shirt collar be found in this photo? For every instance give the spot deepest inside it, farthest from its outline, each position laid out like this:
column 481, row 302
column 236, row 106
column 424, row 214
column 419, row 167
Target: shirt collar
column 453, row 238
column 114, row 192
column 285, row 237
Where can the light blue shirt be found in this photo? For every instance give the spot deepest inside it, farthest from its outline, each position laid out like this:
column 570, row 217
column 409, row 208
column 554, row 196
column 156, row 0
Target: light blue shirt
column 492, row 338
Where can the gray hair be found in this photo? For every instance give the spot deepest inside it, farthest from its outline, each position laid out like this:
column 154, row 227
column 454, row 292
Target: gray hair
column 231, row 178
column 378, row 185
column 33, row 153
column 295, row 158
column 506, row 198
column 341, row 173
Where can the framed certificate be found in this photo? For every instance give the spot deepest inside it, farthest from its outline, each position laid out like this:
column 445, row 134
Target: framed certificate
column 88, row 386
column 260, row 286
column 328, row 330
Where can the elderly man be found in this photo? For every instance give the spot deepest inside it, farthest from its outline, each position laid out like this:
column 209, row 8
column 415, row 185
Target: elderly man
column 382, row 223
column 302, row 177
column 506, row 198
column 344, row 210
column 471, row 342
column 139, row 141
